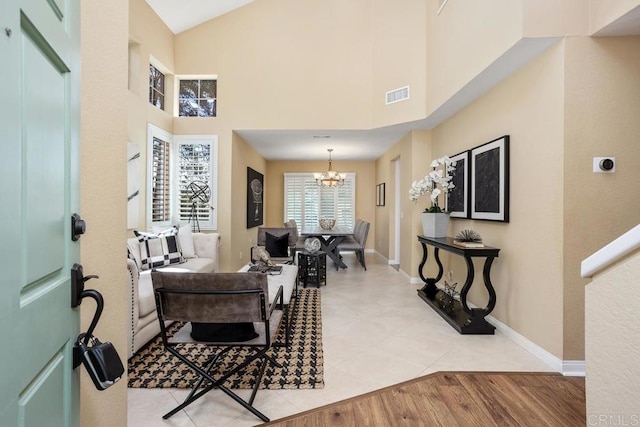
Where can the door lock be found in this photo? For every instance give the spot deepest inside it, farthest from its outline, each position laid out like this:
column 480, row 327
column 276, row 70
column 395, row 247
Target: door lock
column 78, row 226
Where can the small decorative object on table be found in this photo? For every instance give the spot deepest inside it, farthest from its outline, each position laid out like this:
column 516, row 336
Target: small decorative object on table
column 262, row 257
column 312, row 244
column 447, row 296
column 327, row 224
column 468, row 239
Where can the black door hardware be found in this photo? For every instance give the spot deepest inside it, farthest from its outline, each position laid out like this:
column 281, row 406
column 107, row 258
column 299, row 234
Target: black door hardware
column 100, row 359
column 78, row 226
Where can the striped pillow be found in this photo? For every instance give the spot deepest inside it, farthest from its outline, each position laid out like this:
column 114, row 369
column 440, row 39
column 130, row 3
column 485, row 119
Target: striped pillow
column 157, row 250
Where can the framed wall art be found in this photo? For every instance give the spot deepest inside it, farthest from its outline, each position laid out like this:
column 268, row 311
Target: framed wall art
column 255, row 198
column 490, row 180
column 458, row 198
column 380, row 194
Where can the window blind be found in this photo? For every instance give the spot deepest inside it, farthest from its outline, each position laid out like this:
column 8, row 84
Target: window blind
column 306, row 203
column 160, row 186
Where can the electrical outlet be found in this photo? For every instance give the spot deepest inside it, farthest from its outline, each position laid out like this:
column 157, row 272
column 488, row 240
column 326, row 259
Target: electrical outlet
column 240, row 254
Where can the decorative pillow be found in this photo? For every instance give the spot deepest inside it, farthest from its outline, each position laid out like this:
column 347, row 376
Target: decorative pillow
column 159, row 249
column 185, row 236
column 278, row 246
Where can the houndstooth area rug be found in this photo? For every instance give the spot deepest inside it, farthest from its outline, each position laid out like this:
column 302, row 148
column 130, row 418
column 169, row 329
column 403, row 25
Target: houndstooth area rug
column 302, row 362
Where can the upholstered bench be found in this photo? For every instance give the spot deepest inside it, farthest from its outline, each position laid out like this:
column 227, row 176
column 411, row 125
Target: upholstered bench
column 288, row 279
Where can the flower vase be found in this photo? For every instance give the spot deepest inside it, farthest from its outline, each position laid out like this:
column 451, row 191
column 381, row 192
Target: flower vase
column 435, row 224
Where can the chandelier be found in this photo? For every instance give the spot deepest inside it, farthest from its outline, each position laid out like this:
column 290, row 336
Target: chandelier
column 329, row 178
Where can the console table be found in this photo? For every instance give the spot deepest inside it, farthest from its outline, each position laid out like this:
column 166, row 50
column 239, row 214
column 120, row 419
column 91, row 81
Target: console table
column 457, row 313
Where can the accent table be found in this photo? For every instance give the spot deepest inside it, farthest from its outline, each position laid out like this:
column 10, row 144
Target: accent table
column 312, row 268
column 464, row 319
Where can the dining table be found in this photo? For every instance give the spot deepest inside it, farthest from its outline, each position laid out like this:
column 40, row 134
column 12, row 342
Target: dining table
column 329, row 240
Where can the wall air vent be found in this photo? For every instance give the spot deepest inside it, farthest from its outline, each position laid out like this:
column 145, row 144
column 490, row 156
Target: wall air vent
column 397, row 95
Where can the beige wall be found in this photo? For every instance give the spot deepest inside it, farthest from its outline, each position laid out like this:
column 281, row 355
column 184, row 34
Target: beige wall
column 104, row 207
column 527, row 276
column 602, row 104
column 149, row 38
column 604, row 12
column 545, row 18
column 412, row 152
column 283, row 64
column 399, row 37
column 463, row 40
column 243, row 238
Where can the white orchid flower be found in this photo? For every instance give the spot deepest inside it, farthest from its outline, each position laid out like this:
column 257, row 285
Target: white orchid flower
column 435, row 183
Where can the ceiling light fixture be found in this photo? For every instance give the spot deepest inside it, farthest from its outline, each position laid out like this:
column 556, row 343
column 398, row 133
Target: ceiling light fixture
column 329, row 178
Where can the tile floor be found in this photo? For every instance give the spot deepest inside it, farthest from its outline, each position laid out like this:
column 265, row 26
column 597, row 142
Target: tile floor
column 376, row 332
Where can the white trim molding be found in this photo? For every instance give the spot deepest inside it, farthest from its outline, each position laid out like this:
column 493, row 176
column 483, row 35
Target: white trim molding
column 573, row 368
column 620, row 247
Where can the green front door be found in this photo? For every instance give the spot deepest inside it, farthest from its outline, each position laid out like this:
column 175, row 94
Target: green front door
column 39, row 165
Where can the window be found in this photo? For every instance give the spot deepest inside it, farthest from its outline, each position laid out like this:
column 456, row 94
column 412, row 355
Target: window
column 156, row 87
column 197, row 98
column 182, row 179
column 195, row 171
column 306, row 203
column 160, row 184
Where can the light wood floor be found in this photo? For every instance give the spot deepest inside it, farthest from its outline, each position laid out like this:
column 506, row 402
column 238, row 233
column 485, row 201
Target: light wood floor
column 459, row 399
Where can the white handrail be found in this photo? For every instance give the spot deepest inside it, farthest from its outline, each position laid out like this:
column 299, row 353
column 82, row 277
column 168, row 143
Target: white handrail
column 620, row 247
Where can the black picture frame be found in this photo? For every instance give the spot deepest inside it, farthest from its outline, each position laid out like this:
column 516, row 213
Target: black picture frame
column 380, row 190
column 459, row 197
column 255, row 198
column 490, row 180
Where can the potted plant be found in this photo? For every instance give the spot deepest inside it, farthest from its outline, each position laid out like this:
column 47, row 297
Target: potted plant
column 435, row 220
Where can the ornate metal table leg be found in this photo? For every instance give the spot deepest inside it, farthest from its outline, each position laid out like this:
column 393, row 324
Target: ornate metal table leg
column 486, row 275
column 476, row 324
column 423, row 262
column 467, row 285
column 430, row 289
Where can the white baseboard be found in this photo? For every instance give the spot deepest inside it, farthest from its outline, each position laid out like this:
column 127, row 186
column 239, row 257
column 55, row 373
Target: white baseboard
column 574, row 368
column 570, row 368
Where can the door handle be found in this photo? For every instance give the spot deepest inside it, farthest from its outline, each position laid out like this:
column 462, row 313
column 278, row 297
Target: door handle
column 100, row 359
column 78, row 226
column 77, row 284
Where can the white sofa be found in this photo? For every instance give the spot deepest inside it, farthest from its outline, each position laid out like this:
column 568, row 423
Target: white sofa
column 202, row 255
